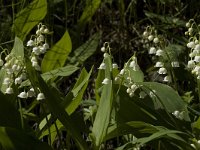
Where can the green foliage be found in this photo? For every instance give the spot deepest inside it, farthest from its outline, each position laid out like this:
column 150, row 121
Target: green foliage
column 50, row 101
column 29, row 17
column 57, row 56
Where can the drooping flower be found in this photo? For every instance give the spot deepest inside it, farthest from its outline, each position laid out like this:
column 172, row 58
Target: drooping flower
column 102, row 66
column 106, row 81
column 159, row 64
column 40, row 96
column 162, row 70
column 9, row 90
column 152, row 50
column 23, row 95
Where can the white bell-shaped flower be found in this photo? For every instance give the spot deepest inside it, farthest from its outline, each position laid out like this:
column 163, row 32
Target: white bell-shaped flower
column 114, row 66
column 36, row 50
column 122, row 72
column 102, row 66
column 7, row 81
column 150, row 37
column 156, row 40
column 167, row 79
column 40, row 96
column 191, row 64
column 162, row 70
column 46, row 31
column 106, row 81
column 191, row 44
column 46, row 45
column 159, row 64
column 197, row 47
column 31, row 93
column 23, row 95
column 152, row 50
column 133, row 64
column 197, row 58
column 9, row 90
column 18, row 80
column 105, row 55
column 30, row 43
column 159, row 52
column 103, row 49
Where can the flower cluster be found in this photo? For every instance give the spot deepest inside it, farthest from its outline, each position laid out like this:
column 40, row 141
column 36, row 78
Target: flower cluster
column 14, row 72
column 194, row 46
column 156, row 46
column 196, row 144
column 106, row 50
column 15, row 69
column 39, row 45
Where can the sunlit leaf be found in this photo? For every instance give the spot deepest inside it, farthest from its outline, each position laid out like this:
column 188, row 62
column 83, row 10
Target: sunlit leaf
column 58, row 54
column 102, row 118
column 29, row 17
column 53, row 103
column 78, row 91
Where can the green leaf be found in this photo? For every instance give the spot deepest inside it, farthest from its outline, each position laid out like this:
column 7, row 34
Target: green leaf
column 63, row 72
column 14, row 139
column 88, row 12
column 98, row 84
column 78, row 91
column 86, row 50
column 54, row 105
column 102, row 117
column 167, row 97
column 137, row 128
column 18, row 49
column 125, row 105
column 58, row 54
column 29, row 17
column 160, row 134
column 135, row 75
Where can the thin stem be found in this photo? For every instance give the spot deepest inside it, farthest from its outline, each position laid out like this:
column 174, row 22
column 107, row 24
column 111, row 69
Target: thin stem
column 21, row 113
column 59, row 136
column 48, row 124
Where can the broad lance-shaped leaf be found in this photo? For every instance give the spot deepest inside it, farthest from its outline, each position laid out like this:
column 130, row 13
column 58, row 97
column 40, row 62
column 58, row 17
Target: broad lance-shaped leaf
column 58, row 54
column 18, row 49
column 14, row 139
column 78, row 91
column 29, row 17
column 102, row 117
column 167, row 98
column 53, row 103
column 59, row 72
